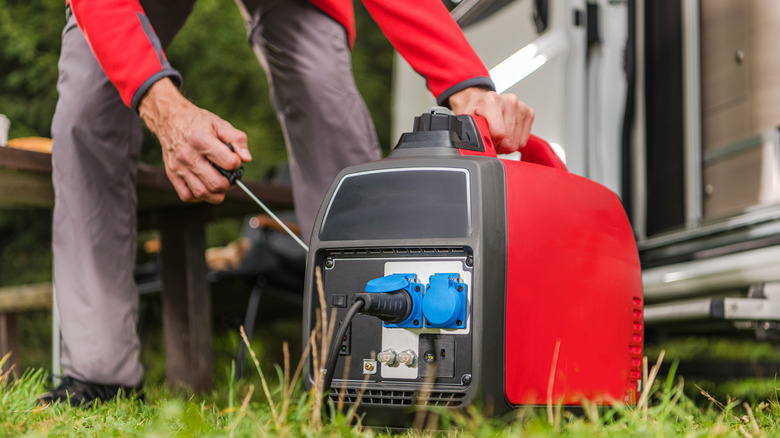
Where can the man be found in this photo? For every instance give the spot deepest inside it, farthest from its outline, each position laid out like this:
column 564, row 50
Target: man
column 113, row 68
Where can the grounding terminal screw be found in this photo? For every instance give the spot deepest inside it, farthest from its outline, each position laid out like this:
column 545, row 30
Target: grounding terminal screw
column 369, row 366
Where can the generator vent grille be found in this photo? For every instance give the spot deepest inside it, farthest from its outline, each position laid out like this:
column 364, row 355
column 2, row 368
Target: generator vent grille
column 401, row 398
column 398, row 251
column 441, row 398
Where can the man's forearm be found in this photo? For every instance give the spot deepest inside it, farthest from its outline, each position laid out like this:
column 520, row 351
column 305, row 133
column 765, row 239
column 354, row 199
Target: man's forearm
column 162, row 99
column 463, row 102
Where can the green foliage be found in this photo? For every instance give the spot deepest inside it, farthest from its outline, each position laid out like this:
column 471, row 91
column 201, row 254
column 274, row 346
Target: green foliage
column 25, row 246
column 35, row 339
column 716, row 347
column 242, row 408
column 372, row 64
column 29, row 49
column 753, row 389
column 744, row 350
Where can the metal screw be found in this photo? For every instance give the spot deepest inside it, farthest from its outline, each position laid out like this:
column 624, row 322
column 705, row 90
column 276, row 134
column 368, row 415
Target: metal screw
column 469, row 261
column 329, row 263
column 369, row 365
column 739, row 56
column 460, row 288
column 417, row 288
column 465, row 379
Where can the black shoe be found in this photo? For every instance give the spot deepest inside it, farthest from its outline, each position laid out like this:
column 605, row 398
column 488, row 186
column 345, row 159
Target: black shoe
column 79, row 393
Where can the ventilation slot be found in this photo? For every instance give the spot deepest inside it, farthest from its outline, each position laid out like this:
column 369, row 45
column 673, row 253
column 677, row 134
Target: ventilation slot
column 397, row 251
column 635, row 347
column 401, row 398
column 439, row 398
column 376, row 397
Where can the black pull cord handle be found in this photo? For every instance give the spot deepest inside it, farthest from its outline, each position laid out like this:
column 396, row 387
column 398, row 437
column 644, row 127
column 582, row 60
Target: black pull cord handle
column 231, row 175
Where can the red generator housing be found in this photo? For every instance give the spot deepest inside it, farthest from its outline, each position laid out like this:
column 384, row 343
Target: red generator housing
column 523, row 279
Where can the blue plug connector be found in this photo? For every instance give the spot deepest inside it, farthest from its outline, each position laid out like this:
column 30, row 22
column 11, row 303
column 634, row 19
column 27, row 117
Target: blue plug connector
column 407, row 282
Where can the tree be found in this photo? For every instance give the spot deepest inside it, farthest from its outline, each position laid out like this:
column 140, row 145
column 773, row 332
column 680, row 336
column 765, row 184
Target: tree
column 29, row 49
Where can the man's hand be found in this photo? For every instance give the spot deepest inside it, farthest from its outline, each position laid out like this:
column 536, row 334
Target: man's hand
column 508, row 118
column 191, row 139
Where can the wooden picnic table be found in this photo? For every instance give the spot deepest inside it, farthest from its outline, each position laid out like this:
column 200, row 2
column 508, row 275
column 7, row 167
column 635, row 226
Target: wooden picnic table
column 25, row 181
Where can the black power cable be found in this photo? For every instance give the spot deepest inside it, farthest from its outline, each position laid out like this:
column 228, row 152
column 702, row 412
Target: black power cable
column 335, row 345
column 392, row 307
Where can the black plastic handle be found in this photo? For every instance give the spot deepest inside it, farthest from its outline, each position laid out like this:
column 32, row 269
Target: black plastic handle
column 231, row 175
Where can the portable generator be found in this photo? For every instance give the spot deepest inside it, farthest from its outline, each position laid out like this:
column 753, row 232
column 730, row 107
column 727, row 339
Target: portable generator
column 460, row 278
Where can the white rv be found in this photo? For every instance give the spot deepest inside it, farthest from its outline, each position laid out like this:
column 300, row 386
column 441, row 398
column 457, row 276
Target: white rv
column 674, row 105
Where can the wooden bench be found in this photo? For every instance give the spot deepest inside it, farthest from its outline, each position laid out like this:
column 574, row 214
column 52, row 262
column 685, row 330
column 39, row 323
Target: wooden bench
column 25, row 179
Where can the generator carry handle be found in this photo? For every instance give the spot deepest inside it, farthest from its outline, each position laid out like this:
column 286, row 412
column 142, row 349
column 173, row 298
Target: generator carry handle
column 536, row 151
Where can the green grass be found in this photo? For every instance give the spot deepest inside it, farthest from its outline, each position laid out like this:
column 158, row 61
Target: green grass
column 256, row 408
column 739, row 348
column 673, row 406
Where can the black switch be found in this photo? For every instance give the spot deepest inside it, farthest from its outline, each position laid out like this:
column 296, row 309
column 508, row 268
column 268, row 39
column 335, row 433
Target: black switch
column 339, row 301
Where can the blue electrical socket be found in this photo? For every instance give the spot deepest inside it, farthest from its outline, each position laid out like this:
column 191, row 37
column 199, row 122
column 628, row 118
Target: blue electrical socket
column 408, row 282
column 445, row 302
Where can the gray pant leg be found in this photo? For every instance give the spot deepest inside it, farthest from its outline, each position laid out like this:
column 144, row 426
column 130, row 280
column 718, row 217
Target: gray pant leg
column 96, row 143
column 325, row 121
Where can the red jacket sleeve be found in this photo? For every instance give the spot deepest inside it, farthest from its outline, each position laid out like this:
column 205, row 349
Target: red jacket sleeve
column 422, row 31
column 430, row 40
column 138, row 61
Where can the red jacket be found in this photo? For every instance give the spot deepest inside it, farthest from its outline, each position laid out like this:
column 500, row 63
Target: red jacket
column 423, row 31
